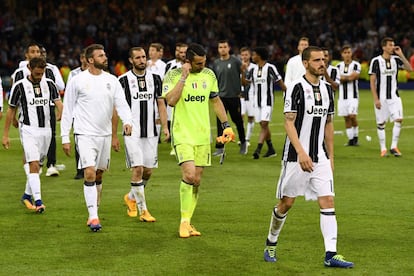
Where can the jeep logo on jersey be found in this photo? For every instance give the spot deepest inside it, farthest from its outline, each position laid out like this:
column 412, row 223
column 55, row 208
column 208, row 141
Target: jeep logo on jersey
column 197, row 98
column 142, row 96
column 39, row 102
column 317, row 111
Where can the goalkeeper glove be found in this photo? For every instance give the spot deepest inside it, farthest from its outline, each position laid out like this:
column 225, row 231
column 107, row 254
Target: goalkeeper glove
column 228, row 134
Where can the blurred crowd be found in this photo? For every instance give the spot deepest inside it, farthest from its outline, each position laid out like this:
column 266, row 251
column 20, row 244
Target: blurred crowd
column 65, row 27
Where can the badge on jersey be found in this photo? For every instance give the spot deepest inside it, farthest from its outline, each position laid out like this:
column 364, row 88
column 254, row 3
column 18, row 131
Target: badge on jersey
column 317, row 96
column 194, row 85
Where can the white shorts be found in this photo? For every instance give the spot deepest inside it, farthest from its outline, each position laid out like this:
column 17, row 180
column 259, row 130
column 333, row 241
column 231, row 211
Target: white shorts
column 94, row 151
column 348, row 107
column 294, row 182
column 141, row 151
column 247, row 107
column 35, row 142
column 263, row 114
column 390, row 110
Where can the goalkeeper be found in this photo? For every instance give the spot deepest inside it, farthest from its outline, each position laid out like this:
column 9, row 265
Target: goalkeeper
column 189, row 90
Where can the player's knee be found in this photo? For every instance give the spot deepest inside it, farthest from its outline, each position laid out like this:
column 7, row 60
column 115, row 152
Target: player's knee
column 381, row 126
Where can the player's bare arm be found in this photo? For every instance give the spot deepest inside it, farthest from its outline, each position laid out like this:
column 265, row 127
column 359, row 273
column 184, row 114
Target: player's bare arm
column 11, row 113
column 116, row 146
column 304, row 159
column 59, row 106
column 373, row 86
column 175, row 94
column 399, row 52
column 163, row 117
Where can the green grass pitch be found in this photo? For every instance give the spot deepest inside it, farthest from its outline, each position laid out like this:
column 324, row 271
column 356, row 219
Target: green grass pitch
column 374, row 206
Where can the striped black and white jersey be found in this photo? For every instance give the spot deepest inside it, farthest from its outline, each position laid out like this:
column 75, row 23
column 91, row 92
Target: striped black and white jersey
column 141, row 93
column 386, row 72
column 312, row 105
column 349, row 89
column 172, row 64
column 52, row 72
column 33, row 101
column 333, row 73
column 248, row 90
column 263, row 80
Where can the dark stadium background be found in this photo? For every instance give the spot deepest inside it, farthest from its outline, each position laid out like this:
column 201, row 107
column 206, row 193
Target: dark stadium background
column 65, row 27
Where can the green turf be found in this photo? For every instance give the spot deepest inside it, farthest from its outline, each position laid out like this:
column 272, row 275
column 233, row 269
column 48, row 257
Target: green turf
column 374, row 205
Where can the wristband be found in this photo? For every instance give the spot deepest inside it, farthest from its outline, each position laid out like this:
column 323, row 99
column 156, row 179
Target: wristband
column 182, row 80
column 225, row 125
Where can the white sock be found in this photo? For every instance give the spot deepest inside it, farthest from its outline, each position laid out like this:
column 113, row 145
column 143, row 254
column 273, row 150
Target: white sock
column 139, row 195
column 381, row 138
column 91, row 197
column 34, row 183
column 356, row 131
column 349, row 133
column 250, row 126
column 276, row 223
column 395, row 134
column 26, row 168
column 329, row 228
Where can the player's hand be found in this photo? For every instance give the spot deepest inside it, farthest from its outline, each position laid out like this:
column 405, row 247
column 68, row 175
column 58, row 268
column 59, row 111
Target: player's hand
column 228, row 136
column 397, row 50
column 66, row 149
column 116, row 146
column 305, row 162
column 6, row 142
column 377, row 104
column 127, row 130
column 15, row 123
column 185, row 69
column 166, row 134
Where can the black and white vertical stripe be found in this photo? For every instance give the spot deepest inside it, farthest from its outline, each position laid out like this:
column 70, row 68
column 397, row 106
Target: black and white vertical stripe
column 349, row 90
column 141, row 93
column 33, row 101
column 386, row 72
column 312, row 105
column 263, row 80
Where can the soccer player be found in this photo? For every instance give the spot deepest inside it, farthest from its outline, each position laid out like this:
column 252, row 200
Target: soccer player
column 189, row 90
column 294, row 66
column 348, row 99
column 143, row 93
column 32, row 96
column 331, row 74
column 89, row 104
column 228, row 70
column 383, row 72
column 263, row 77
column 54, row 74
column 83, row 66
column 307, row 167
column 157, row 66
column 247, row 100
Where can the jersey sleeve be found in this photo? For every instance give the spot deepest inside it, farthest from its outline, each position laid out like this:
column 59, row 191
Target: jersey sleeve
column 292, row 98
column 170, row 80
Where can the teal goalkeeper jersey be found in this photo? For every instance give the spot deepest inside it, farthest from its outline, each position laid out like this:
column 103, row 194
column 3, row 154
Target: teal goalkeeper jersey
column 191, row 115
